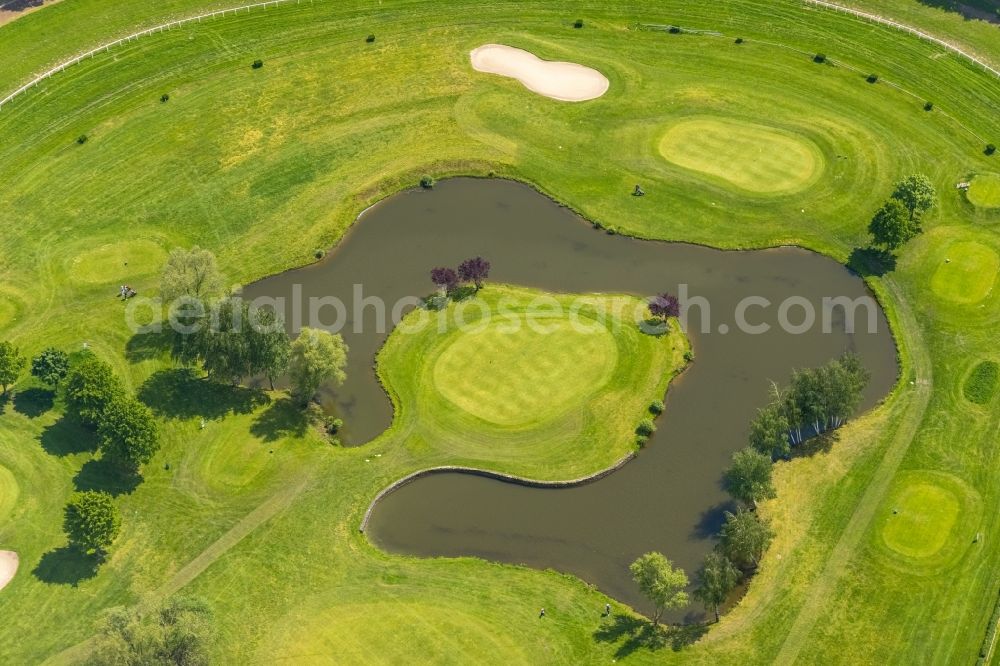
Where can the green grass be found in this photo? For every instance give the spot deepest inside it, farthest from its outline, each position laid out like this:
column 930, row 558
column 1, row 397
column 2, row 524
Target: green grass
column 981, row 384
column 548, row 387
column 923, row 517
column 984, row 191
column 9, row 491
column 755, row 158
column 968, row 273
column 259, row 514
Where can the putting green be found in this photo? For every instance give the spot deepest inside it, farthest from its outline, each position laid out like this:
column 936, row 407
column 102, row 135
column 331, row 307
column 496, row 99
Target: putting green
column 925, row 516
column 421, row 631
column 9, row 491
column 752, row 157
column 525, row 374
column 967, row 273
column 984, row 191
column 981, row 384
column 118, row 262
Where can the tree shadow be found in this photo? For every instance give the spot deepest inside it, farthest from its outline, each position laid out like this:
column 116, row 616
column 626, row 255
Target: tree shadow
column 871, row 262
column 181, row 393
column 66, row 566
column 148, row 346
column 711, row 520
column 637, row 633
column 104, row 475
column 282, row 419
column 816, row 444
column 66, row 437
column 34, row 402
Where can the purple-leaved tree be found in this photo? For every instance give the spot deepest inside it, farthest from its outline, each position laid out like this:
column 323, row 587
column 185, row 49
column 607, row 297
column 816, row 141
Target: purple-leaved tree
column 474, row 270
column 664, row 306
column 445, row 278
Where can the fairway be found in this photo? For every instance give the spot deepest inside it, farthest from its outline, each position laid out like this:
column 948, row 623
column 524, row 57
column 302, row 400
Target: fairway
column 967, row 274
column 755, row 158
column 525, row 372
column 736, row 145
column 984, row 191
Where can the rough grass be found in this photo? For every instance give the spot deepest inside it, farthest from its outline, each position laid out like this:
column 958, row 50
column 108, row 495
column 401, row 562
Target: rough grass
column 756, row 158
column 265, row 166
column 984, row 191
column 981, row 384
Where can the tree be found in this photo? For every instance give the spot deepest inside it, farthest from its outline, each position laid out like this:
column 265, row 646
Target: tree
column 51, row 366
column 916, row 193
column 192, row 273
column 180, row 632
column 716, row 579
column 660, row 582
column 745, row 537
column 268, row 345
column 748, row 479
column 445, row 278
column 664, row 306
column 128, row 433
column 474, row 270
column 769, row 431
column 11, row 364
column 91, row 386
column 892, row 226
column 317, row 356
column 92, row 521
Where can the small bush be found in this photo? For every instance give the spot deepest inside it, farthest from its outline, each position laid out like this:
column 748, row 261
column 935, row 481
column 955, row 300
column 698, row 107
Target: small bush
column 640, row 440
column 820, row 58
column 674, row 30
column 689, row 356
column 739, row 40
column 578, row 24
column 164, row 97
column 333, row 425
column 611, row 231
column 990, row 149
column 872, row 78
column 426, row 182
column 257, row 64
column 319, row 254
column 657, row 407
column 370, row 39
column 645, row 428
column 928, row 106
column 82, row 139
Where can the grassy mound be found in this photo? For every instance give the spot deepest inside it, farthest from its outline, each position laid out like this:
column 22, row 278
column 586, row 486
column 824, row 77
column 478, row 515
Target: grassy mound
column 984, row 191
column 922, row 519
column 530, row 387
column 967, row 275
column 981, row 384
column 752, row 157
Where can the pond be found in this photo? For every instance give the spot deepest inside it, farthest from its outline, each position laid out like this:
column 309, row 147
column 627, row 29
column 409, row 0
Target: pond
column 670, row 497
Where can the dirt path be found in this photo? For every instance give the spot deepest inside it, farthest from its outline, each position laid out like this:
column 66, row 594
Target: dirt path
column 821, row 591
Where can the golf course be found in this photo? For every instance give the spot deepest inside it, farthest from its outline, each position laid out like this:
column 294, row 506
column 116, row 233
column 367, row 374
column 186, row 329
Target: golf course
column 475, row 488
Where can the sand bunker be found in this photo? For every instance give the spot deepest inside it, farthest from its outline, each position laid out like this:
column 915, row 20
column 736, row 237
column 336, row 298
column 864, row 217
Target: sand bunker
column 8, row 566
column 565, row 81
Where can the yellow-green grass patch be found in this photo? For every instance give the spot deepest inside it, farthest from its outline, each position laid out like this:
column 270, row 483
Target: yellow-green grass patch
column 966, row 273
column 117, row 262
column 928, row 518
column 984, row 191
column 9, row 491
column 11, row 309
column 756, row 158
column 544, row 366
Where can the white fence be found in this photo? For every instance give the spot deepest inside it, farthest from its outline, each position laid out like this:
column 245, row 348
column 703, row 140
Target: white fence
column 136, row 35
column 913, row 31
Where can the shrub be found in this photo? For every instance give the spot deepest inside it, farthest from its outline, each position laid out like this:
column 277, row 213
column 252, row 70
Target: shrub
column 657, row 407
column 370, row 39
column 872, row 78
column 333, row 425
column 164, row 97
column 640, row 440
column 689, row 356
column 739, row 40
column 819, row 57
column 426, row 182
column 257, row 64
column 319, row 254
column 645, row 428
column 578, row 24
column 928, row 106
column 82, row 139
column 990, row 149
column 981, row 384
column 674, row 30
